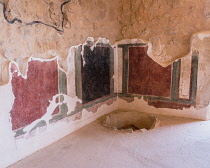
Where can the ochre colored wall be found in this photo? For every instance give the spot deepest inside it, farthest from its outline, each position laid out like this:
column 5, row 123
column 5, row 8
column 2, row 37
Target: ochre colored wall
column 50, row 35
column 167, row 24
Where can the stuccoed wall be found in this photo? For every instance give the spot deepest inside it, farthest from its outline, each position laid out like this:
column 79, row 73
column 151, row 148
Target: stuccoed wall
column 167, row 24
column 80, row 19
column 45, row 29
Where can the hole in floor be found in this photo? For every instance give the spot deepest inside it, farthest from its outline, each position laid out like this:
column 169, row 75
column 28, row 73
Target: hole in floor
column 129, row 121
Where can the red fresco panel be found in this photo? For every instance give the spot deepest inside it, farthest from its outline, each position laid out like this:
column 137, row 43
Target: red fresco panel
column 32, row 95
column 146, row 77
column 165, row 104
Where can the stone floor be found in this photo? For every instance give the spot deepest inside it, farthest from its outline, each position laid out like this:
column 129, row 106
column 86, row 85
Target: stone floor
column 177, row 143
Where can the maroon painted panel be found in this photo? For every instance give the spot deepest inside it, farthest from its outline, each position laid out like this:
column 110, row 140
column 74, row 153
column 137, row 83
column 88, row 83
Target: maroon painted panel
column 165, row 104
column 32, row 95
column 146, row 77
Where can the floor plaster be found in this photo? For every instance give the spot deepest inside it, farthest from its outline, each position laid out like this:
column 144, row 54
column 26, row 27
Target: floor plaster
column 178, row 142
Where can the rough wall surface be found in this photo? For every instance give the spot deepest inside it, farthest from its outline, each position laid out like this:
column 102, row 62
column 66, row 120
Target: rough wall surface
column 167, row 24
column 57, row 32
column 45, row 29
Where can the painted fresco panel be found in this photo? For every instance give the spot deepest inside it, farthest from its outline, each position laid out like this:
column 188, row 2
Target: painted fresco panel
column 95, row 73
column 167, row 104
column 32, row 94
column 146, row 77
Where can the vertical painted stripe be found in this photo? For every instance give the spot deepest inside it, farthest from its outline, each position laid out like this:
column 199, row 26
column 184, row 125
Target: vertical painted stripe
column 62, row 89
column 175, row 80
column 78, row 73
column 194, row 78
column 62, row 82
column 116, row 67
column 125, row 71
column 111, row 65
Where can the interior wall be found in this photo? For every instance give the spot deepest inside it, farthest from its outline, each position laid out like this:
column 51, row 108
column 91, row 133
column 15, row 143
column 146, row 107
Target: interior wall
column 48, row 103
column 40, row 29
column 44, row 57
column 167, row 24
column 146, row 86
column 45, row 31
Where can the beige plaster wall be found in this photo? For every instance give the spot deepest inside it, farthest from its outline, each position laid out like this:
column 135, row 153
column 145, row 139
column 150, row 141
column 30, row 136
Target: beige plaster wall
column 167, row 24
column 82, row 19
column 172, row 29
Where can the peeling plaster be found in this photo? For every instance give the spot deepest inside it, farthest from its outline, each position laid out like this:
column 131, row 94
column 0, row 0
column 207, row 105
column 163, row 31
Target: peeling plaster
column 35, row 22
column 142, row 106
column 39, row 138
column 199, row 43
column 71, row 104
column 89, row 41
column 36, row 138
column 132, row 20
column 39, row 135
column 155, row 49
column 94, row 108
column 66, row 99
column 46, row 117
column 166, row 44
column 40, row 84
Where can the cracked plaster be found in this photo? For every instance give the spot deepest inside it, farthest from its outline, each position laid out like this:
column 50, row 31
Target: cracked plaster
column 127, row 19
column 169, row 27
